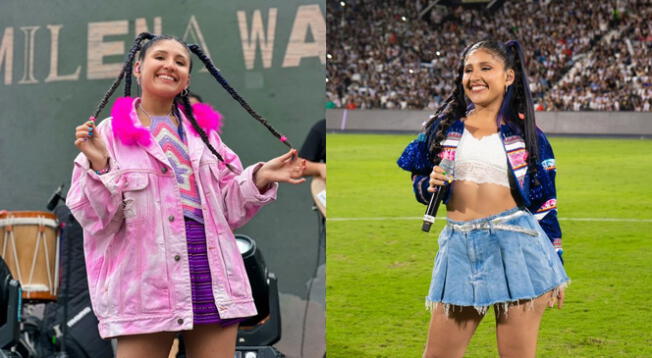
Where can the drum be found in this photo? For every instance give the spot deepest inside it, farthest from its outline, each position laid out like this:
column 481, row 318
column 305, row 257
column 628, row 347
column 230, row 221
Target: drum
column 29, row 244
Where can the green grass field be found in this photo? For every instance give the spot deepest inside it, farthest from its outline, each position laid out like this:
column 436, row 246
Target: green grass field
column 378, row 271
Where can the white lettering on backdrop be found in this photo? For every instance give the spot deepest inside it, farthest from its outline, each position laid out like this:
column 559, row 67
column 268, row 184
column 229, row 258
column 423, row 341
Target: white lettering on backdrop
column 107, row 43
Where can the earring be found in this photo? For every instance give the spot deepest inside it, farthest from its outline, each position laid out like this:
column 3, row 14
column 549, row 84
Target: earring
column 185, row 92
column 137, row 70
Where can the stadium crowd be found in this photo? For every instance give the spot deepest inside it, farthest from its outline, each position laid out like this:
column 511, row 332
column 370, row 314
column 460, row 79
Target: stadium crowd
column 402, row 54
column 616, row 74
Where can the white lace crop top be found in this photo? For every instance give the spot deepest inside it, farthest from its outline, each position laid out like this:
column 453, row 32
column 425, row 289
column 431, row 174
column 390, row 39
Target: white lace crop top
column 481, row 160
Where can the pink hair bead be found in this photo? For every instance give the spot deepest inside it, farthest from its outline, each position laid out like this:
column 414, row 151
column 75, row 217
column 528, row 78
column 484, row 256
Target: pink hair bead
column 284, row 139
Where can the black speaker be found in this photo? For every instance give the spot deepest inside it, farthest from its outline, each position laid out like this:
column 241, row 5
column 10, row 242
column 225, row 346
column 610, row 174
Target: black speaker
column 257, row 272
column 267, row 331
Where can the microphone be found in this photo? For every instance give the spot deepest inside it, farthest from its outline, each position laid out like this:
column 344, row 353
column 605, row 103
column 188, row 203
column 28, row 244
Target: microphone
column 437, row 197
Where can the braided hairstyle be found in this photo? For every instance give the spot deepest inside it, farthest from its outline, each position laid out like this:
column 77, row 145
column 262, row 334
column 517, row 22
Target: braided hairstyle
column 517, row 109
column 218, row 76
column 181, row 100
column 126, row 69
column 454, row 108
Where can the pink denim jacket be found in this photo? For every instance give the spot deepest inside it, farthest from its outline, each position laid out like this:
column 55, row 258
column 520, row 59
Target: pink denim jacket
column 134, row 233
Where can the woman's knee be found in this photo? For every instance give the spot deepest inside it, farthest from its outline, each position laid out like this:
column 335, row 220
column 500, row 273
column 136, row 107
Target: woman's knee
column 145, row 345
column 211, row 341
column 450, row 331
column 517, row 328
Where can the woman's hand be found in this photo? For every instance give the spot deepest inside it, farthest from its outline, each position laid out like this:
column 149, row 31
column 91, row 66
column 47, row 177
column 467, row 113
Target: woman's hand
column 287, row 168
column 315, row 169
column 92, row 145
column 437, row 178
column 559, row 298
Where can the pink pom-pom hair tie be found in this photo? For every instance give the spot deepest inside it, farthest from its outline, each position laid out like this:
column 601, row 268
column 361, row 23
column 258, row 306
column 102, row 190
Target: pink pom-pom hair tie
column 207, row 117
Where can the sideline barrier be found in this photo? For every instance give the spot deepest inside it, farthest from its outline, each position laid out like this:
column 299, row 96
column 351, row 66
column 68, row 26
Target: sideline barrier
column 626, row 124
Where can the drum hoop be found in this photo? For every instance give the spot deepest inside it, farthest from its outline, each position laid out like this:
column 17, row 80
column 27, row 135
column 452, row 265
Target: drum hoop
column 27, row 214
column 29, row 221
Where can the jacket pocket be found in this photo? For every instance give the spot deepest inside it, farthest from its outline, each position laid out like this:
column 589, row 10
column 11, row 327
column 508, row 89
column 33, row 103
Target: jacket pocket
column 97, row 286
column 136, row 200
column 154, row 283
column 238, row 281
column 210, row 183
column 222, row 240
column 148, row 288
column 215, row 177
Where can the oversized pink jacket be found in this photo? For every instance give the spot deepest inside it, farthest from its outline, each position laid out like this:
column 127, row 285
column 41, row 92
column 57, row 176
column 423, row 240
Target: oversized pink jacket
column 134, row 233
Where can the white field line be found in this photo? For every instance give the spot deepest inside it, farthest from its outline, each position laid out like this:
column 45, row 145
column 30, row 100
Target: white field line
column 414, row 218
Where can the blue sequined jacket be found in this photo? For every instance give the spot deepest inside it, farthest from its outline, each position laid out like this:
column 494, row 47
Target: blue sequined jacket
column 540, row 200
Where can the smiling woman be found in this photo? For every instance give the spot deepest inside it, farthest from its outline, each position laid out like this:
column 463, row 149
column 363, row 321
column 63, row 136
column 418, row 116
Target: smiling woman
column 167, row 66
column 485, row 77
column 162, row 73
column 499, row 170
column 158, row 195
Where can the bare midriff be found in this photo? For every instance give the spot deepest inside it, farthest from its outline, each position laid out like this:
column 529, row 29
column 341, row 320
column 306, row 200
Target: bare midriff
column 470, row 200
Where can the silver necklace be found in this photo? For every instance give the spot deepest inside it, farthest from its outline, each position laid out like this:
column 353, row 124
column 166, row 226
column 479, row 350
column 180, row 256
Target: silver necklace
column 140, row 105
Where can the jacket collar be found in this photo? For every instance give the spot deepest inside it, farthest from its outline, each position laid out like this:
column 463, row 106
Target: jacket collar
column 128, row 129
column 130, row 132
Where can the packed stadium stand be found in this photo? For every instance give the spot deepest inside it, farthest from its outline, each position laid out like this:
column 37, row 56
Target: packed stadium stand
column 403, row 54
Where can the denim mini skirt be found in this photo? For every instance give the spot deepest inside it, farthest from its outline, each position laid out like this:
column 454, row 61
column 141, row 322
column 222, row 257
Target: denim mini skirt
column 499, row 259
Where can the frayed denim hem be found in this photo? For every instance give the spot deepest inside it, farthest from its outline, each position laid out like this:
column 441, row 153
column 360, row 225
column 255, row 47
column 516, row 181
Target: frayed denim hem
column 501, row 307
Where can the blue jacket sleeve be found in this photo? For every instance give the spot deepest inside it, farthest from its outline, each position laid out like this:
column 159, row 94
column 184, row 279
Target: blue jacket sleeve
column 544, row 196
column 415, row 160
column 420, row 185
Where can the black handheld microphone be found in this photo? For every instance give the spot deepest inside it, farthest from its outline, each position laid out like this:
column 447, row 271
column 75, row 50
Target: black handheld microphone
column 437, row 197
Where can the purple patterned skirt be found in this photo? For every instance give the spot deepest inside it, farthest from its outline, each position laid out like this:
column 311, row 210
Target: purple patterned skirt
column 203, row 303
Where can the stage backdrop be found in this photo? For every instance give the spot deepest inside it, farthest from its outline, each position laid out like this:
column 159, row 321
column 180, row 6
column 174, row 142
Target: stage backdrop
column 58, row 57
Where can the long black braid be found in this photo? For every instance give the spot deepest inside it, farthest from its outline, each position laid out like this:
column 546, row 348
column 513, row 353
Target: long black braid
column 454, row 107
column 522, row 101
column 216, row 74
column 124, row 72
column 129, row 65
column 187, row 109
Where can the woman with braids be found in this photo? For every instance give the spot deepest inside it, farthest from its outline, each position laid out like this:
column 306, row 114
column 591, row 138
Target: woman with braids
column 158, row 195
column 501, row 245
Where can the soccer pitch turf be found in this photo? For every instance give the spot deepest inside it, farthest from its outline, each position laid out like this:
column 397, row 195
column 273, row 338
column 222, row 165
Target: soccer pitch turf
column 379, row 262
